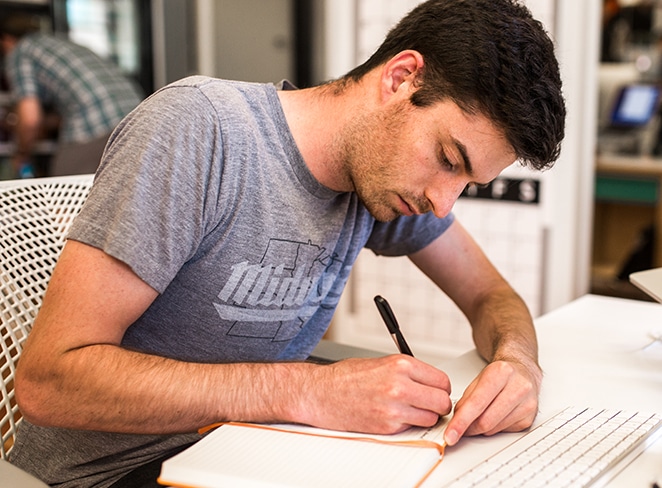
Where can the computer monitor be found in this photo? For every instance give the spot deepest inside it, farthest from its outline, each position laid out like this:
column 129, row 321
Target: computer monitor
column 635, row 106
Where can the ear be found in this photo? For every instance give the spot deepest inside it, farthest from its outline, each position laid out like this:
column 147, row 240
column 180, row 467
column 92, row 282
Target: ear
column 400, row 73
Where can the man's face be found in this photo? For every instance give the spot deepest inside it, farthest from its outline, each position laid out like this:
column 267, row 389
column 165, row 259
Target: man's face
column 406, row 160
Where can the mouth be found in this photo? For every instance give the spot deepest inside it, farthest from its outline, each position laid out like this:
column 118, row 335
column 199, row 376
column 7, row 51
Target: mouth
column 406, row 209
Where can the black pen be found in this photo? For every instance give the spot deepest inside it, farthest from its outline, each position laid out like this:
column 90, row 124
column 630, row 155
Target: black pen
column 392, row 325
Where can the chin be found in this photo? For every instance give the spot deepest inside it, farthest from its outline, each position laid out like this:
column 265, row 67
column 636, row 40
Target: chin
column 384, row 215
column 379, row 208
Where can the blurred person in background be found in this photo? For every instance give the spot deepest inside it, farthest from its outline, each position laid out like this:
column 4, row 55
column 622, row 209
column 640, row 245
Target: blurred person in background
column 89, row 94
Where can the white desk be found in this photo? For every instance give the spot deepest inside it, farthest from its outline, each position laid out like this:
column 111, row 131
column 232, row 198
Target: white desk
column 591, row 351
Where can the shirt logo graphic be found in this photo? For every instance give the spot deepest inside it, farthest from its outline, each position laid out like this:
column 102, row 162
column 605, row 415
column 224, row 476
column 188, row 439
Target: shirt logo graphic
column 274, row 298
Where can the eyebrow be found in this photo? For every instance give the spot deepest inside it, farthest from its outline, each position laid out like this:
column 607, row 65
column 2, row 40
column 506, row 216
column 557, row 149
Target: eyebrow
column 463, row 152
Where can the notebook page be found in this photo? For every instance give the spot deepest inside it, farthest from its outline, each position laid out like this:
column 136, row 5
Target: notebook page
column 247, row 457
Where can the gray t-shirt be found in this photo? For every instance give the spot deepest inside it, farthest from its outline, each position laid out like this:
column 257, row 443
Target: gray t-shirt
column 204, row 194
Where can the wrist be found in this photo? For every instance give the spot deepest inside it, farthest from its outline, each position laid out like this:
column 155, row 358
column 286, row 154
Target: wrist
column 288, row 394
column 530, row 369
column 527, row 358
column 299, row 396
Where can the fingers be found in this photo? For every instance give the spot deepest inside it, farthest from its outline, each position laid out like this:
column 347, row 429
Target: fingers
column 426, row 403
column 413, row 393
column 502, row 398
column 423, row 387
column 384, row 395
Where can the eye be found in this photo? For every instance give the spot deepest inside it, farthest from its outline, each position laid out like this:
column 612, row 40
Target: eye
column 445, row 162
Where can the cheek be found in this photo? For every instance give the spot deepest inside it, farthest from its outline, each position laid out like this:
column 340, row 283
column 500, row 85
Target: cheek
column 425, row 165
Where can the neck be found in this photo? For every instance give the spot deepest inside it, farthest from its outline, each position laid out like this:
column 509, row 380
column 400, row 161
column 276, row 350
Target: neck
column 316, row 116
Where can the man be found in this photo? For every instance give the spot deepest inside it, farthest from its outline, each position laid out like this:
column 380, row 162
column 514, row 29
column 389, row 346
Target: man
column 90, row 95
column 223, row 224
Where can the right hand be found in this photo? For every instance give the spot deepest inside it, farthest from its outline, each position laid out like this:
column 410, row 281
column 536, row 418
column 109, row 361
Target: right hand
column 380, row 396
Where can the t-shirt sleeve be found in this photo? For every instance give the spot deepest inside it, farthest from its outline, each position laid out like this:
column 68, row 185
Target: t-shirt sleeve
column 156, row 189
column 406, row 235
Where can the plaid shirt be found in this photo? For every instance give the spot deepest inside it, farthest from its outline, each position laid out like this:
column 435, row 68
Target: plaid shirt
column 90, row 95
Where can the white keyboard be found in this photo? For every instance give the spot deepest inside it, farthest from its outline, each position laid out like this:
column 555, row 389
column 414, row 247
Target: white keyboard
column 577, row 447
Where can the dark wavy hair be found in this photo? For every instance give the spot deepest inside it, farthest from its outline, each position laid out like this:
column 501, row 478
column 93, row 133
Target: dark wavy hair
column 489, row 57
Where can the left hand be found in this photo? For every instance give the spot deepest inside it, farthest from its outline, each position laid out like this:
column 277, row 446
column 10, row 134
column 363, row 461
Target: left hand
column 503, row 397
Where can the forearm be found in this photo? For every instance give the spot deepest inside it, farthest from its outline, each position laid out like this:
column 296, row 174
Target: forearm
column 23, row 152
column 503, row 328
column 26, row 140
column 27, row 129
column 104, row 387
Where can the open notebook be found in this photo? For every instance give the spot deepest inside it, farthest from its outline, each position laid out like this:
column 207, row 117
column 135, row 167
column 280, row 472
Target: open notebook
column 253, row 455
column 649, row 281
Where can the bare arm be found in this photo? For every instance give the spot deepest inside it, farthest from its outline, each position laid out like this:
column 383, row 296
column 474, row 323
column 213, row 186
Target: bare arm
column 504, row 397
column 29, row 120
column 73, row 372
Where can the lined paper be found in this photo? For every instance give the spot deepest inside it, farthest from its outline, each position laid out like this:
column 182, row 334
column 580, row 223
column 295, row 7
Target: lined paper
column 241, row 456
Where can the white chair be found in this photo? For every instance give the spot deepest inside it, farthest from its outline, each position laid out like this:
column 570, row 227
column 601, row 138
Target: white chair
column 35, row 215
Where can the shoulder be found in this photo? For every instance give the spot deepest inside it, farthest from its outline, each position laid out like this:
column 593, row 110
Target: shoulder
column 216, row 92
column 32, row 42
column 232, row 104
column 41, row 50
column 216, row 87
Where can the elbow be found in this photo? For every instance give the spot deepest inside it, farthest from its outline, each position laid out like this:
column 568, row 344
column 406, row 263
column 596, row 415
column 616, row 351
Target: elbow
column 31, row 399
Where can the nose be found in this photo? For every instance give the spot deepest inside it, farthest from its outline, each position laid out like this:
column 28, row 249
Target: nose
column 442, row 195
